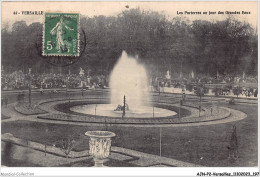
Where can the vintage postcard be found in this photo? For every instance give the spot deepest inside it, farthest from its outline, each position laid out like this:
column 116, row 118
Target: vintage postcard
column 169, row 86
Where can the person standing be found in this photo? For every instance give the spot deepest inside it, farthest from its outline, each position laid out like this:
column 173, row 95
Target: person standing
column 233, row 146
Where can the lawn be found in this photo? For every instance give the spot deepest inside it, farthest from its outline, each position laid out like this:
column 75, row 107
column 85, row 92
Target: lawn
column 3, row 117
column 26, row 109
column 204, row 145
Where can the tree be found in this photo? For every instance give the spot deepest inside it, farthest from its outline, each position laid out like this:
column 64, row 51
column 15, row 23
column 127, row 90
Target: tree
column 200, row 91
column 66, row 145
column 228, row 46
column 237, row 90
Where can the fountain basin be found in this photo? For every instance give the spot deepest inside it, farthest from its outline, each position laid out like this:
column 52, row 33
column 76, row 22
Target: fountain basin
column 107, row 110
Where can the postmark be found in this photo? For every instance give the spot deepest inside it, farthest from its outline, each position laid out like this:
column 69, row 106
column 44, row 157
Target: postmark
column 61, row 34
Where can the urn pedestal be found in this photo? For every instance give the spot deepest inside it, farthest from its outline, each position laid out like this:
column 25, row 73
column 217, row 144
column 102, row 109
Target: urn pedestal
column 99, row 145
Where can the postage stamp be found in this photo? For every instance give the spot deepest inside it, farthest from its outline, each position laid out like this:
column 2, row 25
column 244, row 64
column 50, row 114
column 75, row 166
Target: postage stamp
column 61, row 34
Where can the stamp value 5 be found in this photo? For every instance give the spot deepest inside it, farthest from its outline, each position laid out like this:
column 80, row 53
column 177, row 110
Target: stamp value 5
column 61, row 34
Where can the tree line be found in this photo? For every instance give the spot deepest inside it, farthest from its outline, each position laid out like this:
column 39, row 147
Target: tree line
column 227, row 47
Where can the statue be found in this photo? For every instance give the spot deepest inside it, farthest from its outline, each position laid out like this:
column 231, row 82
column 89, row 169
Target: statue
column 192, row 74
column 168, row 76
column 123, row 108
column 81, row 72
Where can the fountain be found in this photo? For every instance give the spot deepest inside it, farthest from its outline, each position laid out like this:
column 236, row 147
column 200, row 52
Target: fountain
column 128, row 79
column 129, row 96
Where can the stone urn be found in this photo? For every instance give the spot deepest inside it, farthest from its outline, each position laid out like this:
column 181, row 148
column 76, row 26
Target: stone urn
column 99, row 145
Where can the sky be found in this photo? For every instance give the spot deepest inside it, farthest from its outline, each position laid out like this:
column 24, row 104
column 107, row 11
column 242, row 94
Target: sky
column 90, row 9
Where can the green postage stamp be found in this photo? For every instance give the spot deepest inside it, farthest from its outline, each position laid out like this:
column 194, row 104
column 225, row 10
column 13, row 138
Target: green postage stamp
column 61, row 34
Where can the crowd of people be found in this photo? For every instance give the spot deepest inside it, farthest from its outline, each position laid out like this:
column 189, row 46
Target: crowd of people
column 19, row 81
column 177, row 79
column 221, row 85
